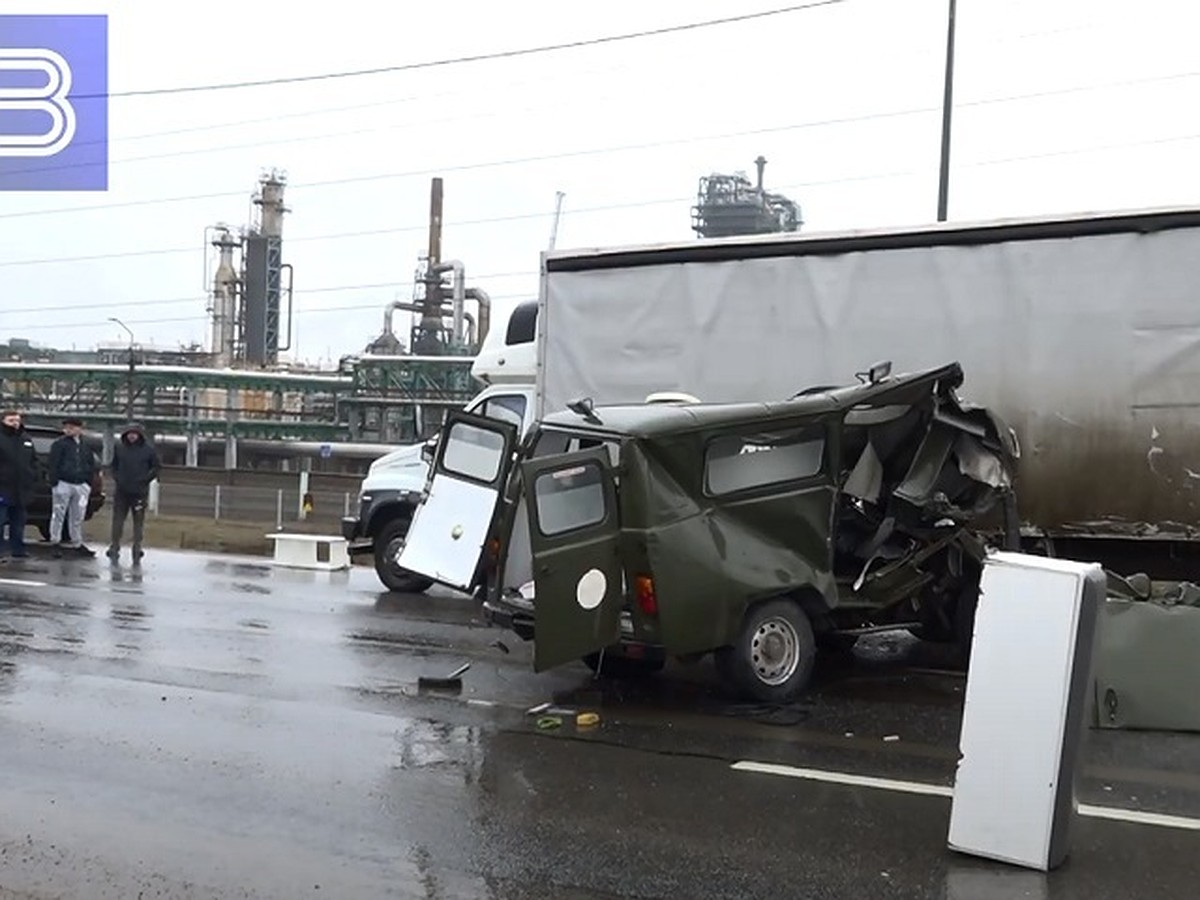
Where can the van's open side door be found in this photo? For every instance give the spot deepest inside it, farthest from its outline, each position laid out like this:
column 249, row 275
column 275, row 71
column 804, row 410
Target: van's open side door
column 445, row 540
column 574, row 532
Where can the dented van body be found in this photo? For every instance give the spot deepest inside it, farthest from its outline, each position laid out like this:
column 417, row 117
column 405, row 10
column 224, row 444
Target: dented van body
column 624, row 535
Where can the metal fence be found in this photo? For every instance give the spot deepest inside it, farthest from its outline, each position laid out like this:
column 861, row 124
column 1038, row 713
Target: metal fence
column 244, row 503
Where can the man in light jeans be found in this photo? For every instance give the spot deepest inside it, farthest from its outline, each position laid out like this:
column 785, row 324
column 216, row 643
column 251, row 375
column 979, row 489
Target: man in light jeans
column 72, row 470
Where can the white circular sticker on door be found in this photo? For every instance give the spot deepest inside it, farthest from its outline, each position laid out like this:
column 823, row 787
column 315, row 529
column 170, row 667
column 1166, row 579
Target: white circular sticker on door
column 590, row 590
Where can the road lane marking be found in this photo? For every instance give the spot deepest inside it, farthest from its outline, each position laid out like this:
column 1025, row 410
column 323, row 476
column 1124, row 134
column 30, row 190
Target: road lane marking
column 1138, row 817
column 1110, row 813
column 869, row 781
column 17, row 582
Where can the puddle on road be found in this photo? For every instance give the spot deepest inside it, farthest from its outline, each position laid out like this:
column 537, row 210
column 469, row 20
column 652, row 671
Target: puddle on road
column 431, row 744
column 244, row 587
column 24, row 603
column 387, row 639
column 242, row 570
column 129, row 618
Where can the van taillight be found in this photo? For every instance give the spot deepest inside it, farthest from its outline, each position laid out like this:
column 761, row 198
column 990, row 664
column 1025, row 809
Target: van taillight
column 644, row 590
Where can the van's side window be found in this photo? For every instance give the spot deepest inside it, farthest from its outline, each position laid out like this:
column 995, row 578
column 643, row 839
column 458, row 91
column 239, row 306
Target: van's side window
column 569, row 499
column 475, row 453
column 741, row 462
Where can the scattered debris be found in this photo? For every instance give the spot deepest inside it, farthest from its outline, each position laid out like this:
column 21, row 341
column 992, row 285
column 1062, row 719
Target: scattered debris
column 587, row 720
column 1139, row 587
column 891, row 737
column 452, row 682
column 501, row 646
column 545, row 723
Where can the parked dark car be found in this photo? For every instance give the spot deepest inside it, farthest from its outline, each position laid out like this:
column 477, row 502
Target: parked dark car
column 40, row 505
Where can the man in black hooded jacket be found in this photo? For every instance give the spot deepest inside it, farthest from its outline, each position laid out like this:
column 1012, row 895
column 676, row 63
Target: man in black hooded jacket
column 135, row 464
column 18, row 462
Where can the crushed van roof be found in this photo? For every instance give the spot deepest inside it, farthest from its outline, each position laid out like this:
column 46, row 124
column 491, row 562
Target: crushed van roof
column 653, row 419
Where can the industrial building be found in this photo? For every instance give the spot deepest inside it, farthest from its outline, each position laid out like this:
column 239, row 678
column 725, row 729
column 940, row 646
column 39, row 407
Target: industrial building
column 235, row 404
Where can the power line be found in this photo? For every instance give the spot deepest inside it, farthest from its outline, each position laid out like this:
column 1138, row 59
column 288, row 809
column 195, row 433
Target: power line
column 812, row 124
column 198, row 297
column 204, row 318
column 425, row 123
column 473, row 58
column 539, row 214
column 486, row 164
column 391, row 285
column 490, row 220
column 375, row 104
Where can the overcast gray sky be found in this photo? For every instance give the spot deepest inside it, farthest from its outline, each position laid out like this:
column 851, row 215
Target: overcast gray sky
column 1061, row 105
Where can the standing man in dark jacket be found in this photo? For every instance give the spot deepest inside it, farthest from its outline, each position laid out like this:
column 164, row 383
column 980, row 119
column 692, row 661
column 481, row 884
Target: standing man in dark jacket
column 72, row 470
column 135, row 464
column 18, row 462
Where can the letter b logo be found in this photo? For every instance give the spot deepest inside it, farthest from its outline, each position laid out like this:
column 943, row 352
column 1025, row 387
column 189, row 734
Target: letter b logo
column 53, row 103
column 49, row 99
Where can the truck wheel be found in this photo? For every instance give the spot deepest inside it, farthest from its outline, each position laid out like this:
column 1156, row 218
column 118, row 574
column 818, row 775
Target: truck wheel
column 617, row 666
column 773, row 657
column 387, row 544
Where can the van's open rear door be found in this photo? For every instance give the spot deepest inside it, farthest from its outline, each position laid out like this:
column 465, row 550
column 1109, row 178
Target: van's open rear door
column 574, row 532
column 445, row 540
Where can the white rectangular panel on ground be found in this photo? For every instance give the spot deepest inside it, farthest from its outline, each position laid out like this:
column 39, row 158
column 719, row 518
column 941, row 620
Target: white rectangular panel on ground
column 1025, row 710
column 301, row 551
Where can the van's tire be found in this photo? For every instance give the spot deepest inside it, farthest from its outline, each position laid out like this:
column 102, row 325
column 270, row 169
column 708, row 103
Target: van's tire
column 614, row 665
column 772, row 659
column 386, row 545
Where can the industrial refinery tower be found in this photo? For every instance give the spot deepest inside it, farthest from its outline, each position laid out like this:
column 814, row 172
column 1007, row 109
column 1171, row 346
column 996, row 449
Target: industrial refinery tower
column 728, row 205
column 249, row 285
column 400, row 395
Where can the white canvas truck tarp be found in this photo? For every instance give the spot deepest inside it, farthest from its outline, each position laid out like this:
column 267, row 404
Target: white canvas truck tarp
column 1082, row 332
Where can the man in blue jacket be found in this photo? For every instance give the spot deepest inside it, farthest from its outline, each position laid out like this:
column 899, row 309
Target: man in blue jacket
column 72, row 470
column 135, row 464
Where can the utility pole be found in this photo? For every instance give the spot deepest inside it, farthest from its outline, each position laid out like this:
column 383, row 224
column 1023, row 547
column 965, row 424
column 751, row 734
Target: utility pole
column 132, row 368
column 947, row 106
column 558, row 201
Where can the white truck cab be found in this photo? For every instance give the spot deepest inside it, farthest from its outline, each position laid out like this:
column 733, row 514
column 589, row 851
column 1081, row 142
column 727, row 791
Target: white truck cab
column 392, row 489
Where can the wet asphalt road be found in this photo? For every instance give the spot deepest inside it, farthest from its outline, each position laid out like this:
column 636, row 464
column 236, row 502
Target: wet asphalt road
column 209, row 727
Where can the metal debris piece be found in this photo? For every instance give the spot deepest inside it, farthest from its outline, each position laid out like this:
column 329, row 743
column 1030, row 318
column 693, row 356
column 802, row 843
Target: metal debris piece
column 451, row 682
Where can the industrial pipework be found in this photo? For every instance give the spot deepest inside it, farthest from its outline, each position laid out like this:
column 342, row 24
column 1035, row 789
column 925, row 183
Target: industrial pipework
column 430, row 336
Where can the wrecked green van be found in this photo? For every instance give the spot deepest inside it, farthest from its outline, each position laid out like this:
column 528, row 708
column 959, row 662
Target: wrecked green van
column 624, row 535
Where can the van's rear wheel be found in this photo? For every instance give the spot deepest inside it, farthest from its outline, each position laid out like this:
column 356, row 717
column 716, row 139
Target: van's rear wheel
column 773, row 657
column 387, row 544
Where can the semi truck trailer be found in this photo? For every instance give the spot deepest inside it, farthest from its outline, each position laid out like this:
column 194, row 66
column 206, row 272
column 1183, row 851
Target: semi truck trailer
column 1081, row 331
